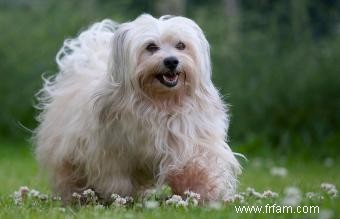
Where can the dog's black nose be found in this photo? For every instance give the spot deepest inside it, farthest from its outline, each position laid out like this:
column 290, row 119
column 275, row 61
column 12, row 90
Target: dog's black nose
column 171, row 62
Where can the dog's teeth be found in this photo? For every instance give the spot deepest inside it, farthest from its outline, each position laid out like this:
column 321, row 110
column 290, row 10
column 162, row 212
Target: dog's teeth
column 170, row 79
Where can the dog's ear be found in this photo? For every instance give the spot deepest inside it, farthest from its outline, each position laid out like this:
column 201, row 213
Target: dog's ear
column 200, row 43
column 111, row 99
column 121, row 56
column 204, row 52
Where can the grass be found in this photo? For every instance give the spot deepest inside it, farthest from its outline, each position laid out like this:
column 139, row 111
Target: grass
column 18, row 168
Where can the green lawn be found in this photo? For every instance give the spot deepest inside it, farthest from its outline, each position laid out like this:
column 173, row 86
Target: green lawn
column 18, row 168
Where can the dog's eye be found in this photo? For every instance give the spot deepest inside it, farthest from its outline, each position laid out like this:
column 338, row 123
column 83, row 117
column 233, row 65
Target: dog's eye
column 152, row 47
column 180, row 46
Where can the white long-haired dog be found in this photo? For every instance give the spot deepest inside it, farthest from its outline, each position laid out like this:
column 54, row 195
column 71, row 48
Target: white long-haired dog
column 133, row 106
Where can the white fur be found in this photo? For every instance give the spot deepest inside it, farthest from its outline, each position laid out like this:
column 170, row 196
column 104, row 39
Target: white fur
column 97, row 118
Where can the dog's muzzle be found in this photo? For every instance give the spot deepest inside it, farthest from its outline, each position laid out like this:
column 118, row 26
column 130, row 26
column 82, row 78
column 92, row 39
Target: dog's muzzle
column 170, row 77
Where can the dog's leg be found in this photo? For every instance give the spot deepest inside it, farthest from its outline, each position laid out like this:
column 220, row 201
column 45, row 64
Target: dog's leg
column 67, row 180
column 198, row 179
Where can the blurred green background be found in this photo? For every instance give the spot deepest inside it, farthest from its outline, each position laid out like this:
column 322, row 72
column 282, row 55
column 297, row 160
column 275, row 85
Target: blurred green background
column 277, row 63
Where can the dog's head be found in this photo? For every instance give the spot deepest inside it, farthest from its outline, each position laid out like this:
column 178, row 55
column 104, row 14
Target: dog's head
column 165, row 60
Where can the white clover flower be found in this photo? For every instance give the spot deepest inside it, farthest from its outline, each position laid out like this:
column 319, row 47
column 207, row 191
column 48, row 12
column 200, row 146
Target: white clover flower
column 192, row 198
column 120, row 201
column 151, row 204
column 173, row 200
column 182, row 203
column 18, row 201
column 191, row 194
column 21, row 194
column 292, row 196
column 176, row 198
column 43, row 197
column 314, row 196
column 234, row 198
column 89, row 193
column 330, row 189
column 253, row 193
column 250, row 190
column 327, row 186
column 114, row 196
column 278, row 171
column 33, row 193
column 76, row 195
column 311, row 195
column 17, row 198
column 24, row 190
column 270, row 194
column 129, row 199
column 239, row 198
column 333, row 192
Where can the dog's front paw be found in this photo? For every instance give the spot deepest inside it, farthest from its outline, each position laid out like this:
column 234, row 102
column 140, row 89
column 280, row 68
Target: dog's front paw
column 197, row 179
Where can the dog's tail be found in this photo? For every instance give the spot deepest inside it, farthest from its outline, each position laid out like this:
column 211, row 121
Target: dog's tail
column 81, row 60
column 89, row 52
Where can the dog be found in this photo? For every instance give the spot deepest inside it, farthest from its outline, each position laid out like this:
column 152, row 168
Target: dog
column 133, row 106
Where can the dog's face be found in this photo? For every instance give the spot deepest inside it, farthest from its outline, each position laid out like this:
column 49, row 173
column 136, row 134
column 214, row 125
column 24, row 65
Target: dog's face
column 165, row 59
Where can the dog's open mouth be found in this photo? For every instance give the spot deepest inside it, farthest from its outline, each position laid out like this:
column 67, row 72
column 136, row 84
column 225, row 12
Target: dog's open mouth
column 169, row 79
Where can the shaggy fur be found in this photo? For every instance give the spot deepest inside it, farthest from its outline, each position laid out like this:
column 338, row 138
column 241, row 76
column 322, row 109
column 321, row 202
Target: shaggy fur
column 109, row 124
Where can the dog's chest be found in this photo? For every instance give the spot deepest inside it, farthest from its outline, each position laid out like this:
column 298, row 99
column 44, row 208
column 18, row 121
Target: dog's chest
column 133, row 140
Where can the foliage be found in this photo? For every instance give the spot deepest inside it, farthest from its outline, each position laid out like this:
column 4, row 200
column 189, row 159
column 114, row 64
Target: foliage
column 276, row 62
